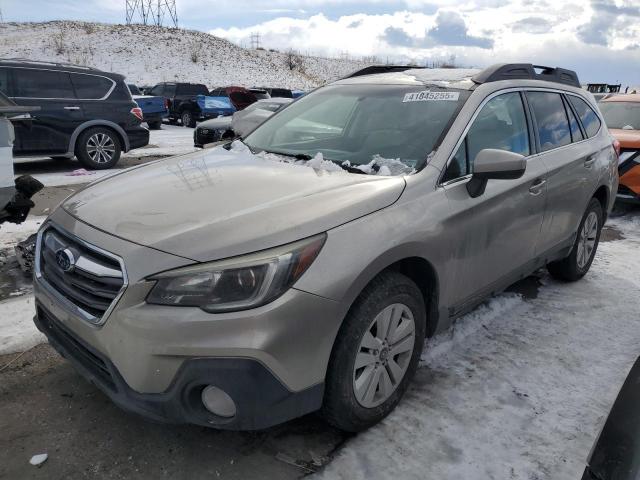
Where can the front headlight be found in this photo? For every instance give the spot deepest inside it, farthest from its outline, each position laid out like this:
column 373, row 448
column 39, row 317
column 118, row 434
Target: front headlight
column 238, row 283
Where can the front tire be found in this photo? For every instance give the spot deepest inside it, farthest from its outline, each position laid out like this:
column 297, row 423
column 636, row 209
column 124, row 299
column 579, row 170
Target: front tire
column 577, row 264
column 376, row 353
column 98, row 148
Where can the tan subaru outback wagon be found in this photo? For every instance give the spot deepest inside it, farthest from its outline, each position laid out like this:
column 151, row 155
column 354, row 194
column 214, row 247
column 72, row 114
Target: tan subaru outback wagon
column 301, row 267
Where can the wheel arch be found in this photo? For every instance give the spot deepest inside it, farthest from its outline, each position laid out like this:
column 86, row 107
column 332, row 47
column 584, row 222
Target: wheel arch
column 603, row 196
column 407, row 261
column 124, row 139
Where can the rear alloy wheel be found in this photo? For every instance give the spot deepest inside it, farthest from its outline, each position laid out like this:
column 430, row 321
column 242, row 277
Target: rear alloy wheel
column 98, row 148
column 188, row 119
column 376, row 353
column 577, row 264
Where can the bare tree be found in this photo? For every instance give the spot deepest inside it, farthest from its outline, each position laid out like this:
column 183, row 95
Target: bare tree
column 196, row 49
column 59, row 42
column 293, row 60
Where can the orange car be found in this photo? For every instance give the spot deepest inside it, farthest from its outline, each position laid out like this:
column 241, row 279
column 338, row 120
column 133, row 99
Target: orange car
column 622, row 116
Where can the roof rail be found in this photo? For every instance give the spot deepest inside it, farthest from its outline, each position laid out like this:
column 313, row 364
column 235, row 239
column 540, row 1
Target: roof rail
column 375, row 69
column 511, row 71
column 44, row 62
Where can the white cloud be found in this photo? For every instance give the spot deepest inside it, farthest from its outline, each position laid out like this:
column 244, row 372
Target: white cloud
column 477, row 32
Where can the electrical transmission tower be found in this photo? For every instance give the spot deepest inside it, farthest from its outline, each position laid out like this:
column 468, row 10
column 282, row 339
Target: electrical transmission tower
column 255, row 41
column 151, row 12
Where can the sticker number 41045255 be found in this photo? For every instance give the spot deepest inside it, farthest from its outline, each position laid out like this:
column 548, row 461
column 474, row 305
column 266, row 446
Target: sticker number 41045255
column 429, row 96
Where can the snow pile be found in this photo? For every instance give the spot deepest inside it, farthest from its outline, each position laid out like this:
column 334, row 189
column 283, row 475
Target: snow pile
column 11, row 234
column 519, row 388
column 386, row 166
column 147, row 55
column 17, row 330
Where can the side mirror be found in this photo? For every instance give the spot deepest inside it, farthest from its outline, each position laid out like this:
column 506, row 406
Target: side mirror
column 494, row 164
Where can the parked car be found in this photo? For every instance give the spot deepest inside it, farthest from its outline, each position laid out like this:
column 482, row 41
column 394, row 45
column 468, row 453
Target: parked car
column 297, row 93
column 154, row 109
column 15, row 194
column 83, row 112
column 278, row 92
column 239, row 124
column 191, row 102
column 616, row 452
column 239, row 97
column 622, row 116
column 303, row 267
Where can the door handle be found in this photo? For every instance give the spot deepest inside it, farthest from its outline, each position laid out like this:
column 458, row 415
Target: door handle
column 71, row 108
column 536, row 187
column 589, row 161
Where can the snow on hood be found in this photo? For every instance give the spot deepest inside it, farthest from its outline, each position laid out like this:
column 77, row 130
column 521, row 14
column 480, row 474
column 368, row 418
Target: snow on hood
column 379, row 165
column 220, row 203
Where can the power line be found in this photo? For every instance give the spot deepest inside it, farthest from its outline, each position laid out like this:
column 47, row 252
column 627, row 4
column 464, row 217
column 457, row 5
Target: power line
column 151, row 12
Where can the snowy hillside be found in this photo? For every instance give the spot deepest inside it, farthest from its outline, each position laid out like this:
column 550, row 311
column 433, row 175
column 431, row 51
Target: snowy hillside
column 148, row 54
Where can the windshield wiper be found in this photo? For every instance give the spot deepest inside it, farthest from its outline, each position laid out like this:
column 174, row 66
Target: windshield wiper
column 297, row 156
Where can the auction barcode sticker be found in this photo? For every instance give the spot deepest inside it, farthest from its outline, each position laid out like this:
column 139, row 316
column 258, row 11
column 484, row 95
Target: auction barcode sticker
column 429, row 96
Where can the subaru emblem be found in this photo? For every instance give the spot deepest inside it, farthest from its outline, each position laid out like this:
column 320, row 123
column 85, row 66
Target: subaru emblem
column 65, row 260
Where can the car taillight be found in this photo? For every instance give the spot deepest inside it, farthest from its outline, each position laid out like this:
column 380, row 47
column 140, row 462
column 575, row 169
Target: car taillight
column 616, row 147
column 166, row 103
column 137, row 112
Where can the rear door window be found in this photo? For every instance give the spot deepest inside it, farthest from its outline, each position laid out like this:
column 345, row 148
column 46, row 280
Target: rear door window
column 91, row 87
column 551, row 119
column 33, row 83
column 192, row 89
column 501, row 125
column 588, row 117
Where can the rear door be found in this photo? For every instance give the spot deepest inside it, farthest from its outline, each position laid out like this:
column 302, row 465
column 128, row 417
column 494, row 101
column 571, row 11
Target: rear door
column 50, row 129
column 494, row 236
column 569, row 159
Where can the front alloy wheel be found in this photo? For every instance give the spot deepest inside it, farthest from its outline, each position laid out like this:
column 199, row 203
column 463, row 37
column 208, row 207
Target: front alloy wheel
column 376, row 353
column 384, row 355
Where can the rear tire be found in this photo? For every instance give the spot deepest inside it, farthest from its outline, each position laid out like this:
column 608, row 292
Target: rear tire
column 577, row 263
column 370, row 370
column 156, row 125
column 187, row 118
column 98, row 148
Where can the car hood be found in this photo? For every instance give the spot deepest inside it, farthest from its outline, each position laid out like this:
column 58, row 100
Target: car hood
column 216, row 123
column 218, row 203
column 627, row 138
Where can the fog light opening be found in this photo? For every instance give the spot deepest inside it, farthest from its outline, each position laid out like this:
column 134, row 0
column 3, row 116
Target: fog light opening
column 218, row 402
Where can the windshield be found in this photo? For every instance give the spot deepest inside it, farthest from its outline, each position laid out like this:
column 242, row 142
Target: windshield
column 359, row 123
column 621, row 114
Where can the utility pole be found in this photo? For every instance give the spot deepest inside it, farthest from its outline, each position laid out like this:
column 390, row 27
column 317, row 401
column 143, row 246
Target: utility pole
column 151, row 12
column 255, row 41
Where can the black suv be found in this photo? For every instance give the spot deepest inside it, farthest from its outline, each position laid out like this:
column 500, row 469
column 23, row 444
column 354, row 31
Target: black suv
column 83, row 112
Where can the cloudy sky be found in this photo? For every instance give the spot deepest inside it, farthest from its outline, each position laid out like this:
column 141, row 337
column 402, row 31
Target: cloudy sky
column 598, row 38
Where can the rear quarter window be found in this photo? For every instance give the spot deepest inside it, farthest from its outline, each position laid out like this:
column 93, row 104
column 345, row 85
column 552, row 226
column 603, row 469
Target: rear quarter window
column 91, row 87
column 589, row 118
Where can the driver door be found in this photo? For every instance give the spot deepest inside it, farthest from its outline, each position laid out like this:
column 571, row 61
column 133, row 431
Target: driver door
column 494, row 236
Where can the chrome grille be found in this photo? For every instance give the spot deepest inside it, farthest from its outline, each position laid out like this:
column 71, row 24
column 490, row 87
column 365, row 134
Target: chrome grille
column 87, row 277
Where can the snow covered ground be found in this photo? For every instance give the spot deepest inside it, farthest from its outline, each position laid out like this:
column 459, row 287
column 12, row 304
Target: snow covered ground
column 518, row 388
column 147, row 55
column 170, row 140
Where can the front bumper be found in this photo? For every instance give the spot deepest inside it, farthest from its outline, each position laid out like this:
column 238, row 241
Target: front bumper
column 261, row 399
column 203, row 136
column 282, row 348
